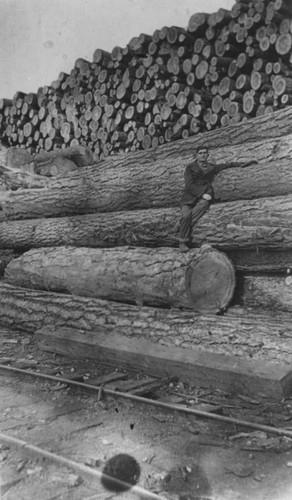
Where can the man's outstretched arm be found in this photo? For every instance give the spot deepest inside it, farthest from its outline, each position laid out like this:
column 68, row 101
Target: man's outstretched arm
column 234, row 164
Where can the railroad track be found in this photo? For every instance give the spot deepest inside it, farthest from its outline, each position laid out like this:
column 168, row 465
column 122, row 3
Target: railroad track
column 75, row 410
column 123, row 385
column 26, row 416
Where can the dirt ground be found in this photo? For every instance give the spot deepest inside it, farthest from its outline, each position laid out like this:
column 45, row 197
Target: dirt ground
column 179, row 456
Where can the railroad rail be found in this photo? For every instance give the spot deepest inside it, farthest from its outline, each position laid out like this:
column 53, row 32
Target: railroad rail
column 116, row 385
column 101, row 389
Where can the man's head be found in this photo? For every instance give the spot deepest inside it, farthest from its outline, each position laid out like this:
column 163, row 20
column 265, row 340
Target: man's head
column 202, row 156
column 202, row 152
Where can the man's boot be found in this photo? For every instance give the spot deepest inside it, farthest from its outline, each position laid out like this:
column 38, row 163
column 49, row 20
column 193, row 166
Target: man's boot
column 183, row 247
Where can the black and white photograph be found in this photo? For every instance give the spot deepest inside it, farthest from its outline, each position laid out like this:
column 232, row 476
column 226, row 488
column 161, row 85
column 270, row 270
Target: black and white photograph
column 145, row 250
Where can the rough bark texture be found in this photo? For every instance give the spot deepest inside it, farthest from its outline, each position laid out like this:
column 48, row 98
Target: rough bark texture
column 135, row 275
column 270, row 292
column 125, row 184
column 6, row 256
column 155, row 277
column 240, row 332
column 273, row 125
column 261, row 261
column 257, row 181
column 80, row 155
column 16, row 157
column 255, row 224
column 14, row 178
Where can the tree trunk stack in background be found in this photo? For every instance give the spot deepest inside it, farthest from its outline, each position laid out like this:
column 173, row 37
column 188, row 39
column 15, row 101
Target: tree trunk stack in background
column 96, row 248
column 226, row 67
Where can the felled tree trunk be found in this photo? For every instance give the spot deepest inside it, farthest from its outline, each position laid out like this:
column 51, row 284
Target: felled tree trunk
column 277, row 124
column 80, row 155
column 203, row 280
column 261, row 261
column 62, row 161
column 6, row 256
column 124, row 184
column 241, row 332
column 15, row 178
column 255, row 224
column 270, row 292
column 16, row 157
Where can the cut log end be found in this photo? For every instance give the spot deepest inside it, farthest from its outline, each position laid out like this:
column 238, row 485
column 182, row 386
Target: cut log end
column 210, row 281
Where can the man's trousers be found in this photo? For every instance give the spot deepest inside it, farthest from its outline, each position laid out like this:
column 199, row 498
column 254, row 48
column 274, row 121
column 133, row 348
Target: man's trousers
column 190, row 215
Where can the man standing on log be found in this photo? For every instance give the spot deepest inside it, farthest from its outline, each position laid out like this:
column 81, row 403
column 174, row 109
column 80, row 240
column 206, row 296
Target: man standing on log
column 198, row 192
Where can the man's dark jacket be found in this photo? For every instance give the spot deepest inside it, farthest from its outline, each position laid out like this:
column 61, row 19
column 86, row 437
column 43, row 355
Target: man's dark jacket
column 198, row 182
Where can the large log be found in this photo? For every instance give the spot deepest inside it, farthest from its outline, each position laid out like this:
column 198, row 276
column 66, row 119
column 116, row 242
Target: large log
column 15, row 178
column 270, row 292
column 37, row 233
column 79, row 155
column 6, row 256
column 155, row 277
column 195, row 367
column 276, row 124
column 203, row 279
column 261, row 261
column 259, row 335
column 124, row 184
column 16, row 157
column 254, row 225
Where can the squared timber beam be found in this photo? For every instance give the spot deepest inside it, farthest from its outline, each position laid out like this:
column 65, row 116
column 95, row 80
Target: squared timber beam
column 195, row 367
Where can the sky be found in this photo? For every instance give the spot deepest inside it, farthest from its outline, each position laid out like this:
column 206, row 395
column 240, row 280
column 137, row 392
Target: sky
column 41, row 38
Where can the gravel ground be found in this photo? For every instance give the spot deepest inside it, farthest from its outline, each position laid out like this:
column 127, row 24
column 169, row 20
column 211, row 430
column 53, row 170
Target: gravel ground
column 178, row 456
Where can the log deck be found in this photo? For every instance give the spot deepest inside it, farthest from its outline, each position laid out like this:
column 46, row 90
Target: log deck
column 250, row 224
column 127, row 184
column 261, row 335
column 203, row 280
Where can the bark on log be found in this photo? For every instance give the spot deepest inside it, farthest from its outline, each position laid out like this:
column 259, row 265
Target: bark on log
column 203, row 280
column 6, row 256
column 16, row 157
column 274, row 293
column 256, row 224
column 261, row 262
column 259, row 335
column 55, row 166
column 122, row 184
column 276, row 125
column 15, row 178
column 80, row 155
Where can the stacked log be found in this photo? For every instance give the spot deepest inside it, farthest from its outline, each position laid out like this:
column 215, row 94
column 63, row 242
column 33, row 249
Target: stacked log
column 155, row 180
column 133, row 201
column 142, row 277
column 225, row 68
column 98, row 245
column 128, row 275
column 256, row 334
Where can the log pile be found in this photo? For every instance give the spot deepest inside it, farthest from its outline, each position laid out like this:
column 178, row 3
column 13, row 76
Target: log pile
column 154, row 179
column 97, row 246
column 108, row 231
column 226, row 67
column 249, row 334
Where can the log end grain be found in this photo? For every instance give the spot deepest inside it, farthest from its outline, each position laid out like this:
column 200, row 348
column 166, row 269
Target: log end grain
column 210, row 281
